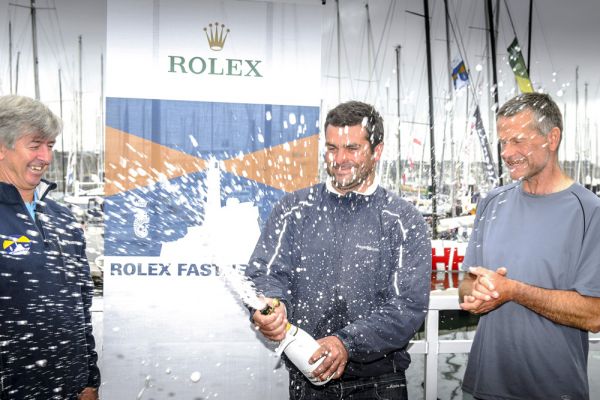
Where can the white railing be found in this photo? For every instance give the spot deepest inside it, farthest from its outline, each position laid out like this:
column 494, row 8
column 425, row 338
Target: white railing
column 432, row 346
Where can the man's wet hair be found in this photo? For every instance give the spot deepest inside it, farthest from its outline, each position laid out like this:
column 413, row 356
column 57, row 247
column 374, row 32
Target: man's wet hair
column 546, row 114
column 20, row 116
column 358, row 113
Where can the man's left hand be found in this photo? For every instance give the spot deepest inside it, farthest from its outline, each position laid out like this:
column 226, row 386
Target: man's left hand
column 490, row 290
column 89, row 393
column 335, row 358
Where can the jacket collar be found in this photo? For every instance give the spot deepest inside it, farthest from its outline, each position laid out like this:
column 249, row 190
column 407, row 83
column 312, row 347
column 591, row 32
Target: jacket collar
column 44, row 188
column 10, row 195
column 370, row 190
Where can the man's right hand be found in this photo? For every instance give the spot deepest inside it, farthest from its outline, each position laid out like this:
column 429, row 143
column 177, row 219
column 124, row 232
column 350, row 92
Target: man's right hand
column 272, row 326
column 483, row 296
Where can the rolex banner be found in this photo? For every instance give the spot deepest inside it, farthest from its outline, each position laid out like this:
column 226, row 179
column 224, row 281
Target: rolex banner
column 211, row 116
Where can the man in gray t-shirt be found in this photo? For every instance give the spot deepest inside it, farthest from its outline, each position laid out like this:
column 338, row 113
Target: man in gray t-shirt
column 534, row 264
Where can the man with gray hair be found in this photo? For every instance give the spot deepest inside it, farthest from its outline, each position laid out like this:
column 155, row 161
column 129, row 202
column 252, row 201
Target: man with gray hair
column 46, row 341
column 533, row 264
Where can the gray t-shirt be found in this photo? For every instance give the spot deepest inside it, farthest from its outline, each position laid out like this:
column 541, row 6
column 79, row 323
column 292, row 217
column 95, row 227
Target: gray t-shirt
column 550, row 241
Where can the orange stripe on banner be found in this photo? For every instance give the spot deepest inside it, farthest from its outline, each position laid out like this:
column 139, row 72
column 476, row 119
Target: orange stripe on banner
column 132, row 162
column 288, row 167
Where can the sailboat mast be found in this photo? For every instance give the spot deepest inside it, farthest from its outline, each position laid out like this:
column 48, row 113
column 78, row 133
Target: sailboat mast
column 566, row 140
column 369, row 50
column 434, row 217
column 399, row 159
column 80, row 115
column 451, row 112
column 490, row 12
column 339, row 50
column 17, row 72
column 529, row 38
column 586, row 131
column 595, row 169
column 577, row 139
column 36, row 78
column 102, row 122
column 10, row 53
column 62, row 137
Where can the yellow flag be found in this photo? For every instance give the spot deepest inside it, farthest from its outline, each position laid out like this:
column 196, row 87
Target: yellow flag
column 517, row 63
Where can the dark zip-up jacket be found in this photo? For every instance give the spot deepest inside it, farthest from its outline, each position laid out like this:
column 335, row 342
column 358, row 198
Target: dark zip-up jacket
column 355, row 266
column 46, row 342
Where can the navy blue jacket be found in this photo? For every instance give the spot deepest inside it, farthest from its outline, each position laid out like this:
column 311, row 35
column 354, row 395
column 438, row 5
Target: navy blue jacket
column 355, row 266
column 46, row 342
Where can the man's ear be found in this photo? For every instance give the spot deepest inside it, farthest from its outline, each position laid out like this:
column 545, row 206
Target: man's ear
column 3, row 150
column 554, row 138
column 378, row 151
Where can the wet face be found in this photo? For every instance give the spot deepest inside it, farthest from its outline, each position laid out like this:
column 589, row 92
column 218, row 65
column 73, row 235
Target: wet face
column 525, row 150
column 25, row 164
column 349, row 159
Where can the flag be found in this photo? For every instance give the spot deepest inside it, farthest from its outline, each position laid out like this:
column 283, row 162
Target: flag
column 490, row 170
column 517, row 63
column 460, row 77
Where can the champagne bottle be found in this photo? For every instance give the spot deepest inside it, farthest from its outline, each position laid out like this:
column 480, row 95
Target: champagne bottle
column 298, row 346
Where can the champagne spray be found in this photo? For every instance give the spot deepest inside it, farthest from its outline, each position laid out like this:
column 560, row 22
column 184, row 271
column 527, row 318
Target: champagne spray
column 297, row 344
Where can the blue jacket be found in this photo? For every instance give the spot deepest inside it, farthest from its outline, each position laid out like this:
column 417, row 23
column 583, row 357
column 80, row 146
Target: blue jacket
column 355, row 266
column 46, row 342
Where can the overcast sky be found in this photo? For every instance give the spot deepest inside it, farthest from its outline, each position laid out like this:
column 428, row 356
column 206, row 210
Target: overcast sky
column 565, row 35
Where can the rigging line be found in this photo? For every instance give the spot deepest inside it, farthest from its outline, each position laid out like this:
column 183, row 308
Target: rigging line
column 402, row 89
column 506, row 55
column 417, row 74
column 474, row 98
column 459, row 42
column 506, row 75
column 463, row 54
column 386, row 26
column 5, row 24
column 441, row 79
column 327, row 59
column 52, row 49
column 66, row 65
column 20, row 37
column 386, row 47
column 414, row 72
column 370, row 46
column 418, row 99
column 343, row 43
column 364, row 35
column 330, row 51
column 479, row 82
column 22, row 44
column 6, row 69
column 543, row 35
column 510, row 18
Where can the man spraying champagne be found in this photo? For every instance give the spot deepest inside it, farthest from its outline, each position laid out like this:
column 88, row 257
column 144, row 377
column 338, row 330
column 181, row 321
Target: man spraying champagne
column 351, row 264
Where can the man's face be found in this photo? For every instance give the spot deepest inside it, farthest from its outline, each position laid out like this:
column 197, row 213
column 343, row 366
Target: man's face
column 349, row 159
column 524, row 149
column 25, row 165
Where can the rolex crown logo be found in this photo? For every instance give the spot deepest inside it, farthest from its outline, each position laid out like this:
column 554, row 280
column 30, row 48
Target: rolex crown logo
column 216, row 36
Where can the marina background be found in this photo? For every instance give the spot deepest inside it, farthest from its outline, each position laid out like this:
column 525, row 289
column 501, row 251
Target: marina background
column 358, row 60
